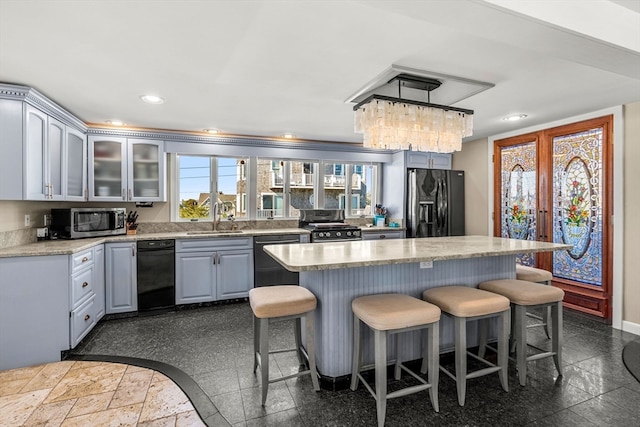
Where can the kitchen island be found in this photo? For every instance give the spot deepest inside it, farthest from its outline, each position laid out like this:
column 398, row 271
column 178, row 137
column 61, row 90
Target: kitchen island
column 339, row 272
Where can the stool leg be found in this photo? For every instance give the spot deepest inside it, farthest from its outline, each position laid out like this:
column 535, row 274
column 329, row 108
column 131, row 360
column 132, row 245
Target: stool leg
column 546, row 315
column 433, row 356
column 512, row 335
column 264, row 357
column 521, row 343
column 483, row 327
column 311, row 351
column 298, row 334
column 503, row 348
column 556, row 330
column 397, row 372
column 380, row 339
column 356, row 358
column 547, row 320
column 256, row 342
column 461, row 357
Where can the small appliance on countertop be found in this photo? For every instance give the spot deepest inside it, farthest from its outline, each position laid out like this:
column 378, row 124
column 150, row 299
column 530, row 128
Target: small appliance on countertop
column 77, row 223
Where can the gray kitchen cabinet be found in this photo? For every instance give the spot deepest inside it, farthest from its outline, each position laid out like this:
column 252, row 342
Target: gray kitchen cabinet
column 38, row 155
column 98, row 281
column 195, row 277
column 122, row 169
column 213, row 269
column 120, row 278
column 43, row 156
column 419, row 159
column 235, row 274
column 75, row 184
column 386, row 234
column 34, row 310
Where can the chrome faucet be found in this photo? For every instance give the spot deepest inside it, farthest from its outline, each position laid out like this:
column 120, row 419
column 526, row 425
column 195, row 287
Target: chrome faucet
column 215, row 216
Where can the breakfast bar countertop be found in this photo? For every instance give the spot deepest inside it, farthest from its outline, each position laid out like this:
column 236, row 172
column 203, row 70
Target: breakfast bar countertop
column 362, row 253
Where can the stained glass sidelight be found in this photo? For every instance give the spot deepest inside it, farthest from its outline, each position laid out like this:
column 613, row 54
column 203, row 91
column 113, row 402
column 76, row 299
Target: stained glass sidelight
column 577, row 206
column 518, row 199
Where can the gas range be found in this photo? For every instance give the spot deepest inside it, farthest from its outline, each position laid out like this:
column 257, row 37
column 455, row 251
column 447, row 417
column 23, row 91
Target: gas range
column 327, row 225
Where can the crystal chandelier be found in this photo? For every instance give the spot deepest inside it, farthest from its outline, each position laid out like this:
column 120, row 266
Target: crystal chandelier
column 402, row 124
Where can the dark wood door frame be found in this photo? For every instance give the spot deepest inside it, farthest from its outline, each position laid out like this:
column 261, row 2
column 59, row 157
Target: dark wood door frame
column 591, row 299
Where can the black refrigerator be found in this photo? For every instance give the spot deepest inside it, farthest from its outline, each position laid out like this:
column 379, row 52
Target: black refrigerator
column 435, row 203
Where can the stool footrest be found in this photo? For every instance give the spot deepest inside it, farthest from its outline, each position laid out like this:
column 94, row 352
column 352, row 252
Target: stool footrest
column 482, row 372
column 408, row 390
column 541, row 355
column 286, row 377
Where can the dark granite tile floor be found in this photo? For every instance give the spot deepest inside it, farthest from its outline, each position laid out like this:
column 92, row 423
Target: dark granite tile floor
column 214, row 346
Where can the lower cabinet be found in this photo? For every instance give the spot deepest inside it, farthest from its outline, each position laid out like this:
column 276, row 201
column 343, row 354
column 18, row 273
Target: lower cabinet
column 98, row 282
column 213, row 269
column 34, row 310
column 120, row 277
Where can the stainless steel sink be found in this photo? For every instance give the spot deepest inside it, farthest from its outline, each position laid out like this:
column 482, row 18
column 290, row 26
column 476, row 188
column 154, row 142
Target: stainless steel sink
column 215, row 232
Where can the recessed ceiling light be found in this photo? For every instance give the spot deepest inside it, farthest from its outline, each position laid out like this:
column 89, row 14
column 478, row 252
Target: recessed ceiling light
column 214, row 131
column 116, row 122
column 152, row 99
column 514, row 117
column 288, row 136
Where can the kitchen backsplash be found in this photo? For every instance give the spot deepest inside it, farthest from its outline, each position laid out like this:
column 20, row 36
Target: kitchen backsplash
column 25, row 236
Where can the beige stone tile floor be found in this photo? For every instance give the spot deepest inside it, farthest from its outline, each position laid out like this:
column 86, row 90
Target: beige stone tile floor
column 78, row 393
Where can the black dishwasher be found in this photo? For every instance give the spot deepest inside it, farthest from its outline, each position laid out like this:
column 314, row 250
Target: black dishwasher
column 267, row 271
column 156, row 275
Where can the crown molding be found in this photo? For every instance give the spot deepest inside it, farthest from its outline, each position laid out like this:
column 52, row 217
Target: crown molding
column 34, row 98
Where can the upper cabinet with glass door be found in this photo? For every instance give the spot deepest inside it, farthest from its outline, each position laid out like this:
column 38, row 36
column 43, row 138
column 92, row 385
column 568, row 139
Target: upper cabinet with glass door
column 123, row 169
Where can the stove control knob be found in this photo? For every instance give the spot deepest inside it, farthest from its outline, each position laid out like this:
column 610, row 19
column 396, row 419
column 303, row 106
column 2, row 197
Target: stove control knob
column 348, row 233
column 356, row 233
column 338, row 233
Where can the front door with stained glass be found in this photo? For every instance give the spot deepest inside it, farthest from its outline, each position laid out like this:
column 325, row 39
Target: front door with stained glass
column 555, row 185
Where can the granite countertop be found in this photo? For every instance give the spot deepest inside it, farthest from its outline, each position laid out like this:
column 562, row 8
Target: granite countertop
column 329, row 256
column 67, row 247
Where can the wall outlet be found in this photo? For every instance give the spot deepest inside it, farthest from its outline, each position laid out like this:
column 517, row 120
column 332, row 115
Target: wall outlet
column 27, row 220
column 426, row 264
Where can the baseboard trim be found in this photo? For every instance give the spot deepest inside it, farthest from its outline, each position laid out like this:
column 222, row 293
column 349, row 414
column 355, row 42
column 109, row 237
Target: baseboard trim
column 634, row 328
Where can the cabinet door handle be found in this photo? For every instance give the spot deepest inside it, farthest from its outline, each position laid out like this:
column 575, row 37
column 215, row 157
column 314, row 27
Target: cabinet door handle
column 218, row 256
column 85, row 259
column 133, row 250
column 87, row 317
column 85, row 284
column 383, row 236
column 213, row 258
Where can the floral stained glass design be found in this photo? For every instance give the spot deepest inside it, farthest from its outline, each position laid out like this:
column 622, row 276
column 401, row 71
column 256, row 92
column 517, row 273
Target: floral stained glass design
column 577, row 203
column 518, row 199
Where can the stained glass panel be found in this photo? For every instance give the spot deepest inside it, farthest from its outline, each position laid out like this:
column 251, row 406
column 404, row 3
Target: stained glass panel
column 518, row 199
column 577, row 206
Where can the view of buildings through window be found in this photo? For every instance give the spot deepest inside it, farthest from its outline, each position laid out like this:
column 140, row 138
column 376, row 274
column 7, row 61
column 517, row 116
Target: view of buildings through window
column 281, row 187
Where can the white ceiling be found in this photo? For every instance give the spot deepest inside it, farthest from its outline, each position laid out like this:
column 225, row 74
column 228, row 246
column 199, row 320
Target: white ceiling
column 265, row 68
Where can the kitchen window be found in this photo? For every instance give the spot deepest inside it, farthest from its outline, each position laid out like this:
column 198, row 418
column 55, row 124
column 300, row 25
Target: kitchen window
column 268, row 188
column 205, row 180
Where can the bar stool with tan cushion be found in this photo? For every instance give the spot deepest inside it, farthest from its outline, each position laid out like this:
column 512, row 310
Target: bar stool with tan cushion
column 463, row 304
column 388, row 314
column 537, row 275
column 524, row 295
column 276, row 303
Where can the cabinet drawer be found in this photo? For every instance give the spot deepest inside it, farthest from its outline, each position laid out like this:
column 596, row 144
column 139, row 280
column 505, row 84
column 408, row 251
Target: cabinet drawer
column 81, row 286
column 82, row 321
column 204, row 245
column 81, row 260
column 383, row 235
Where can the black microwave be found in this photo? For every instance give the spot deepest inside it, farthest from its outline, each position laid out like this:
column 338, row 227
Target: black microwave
column 76, row 223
